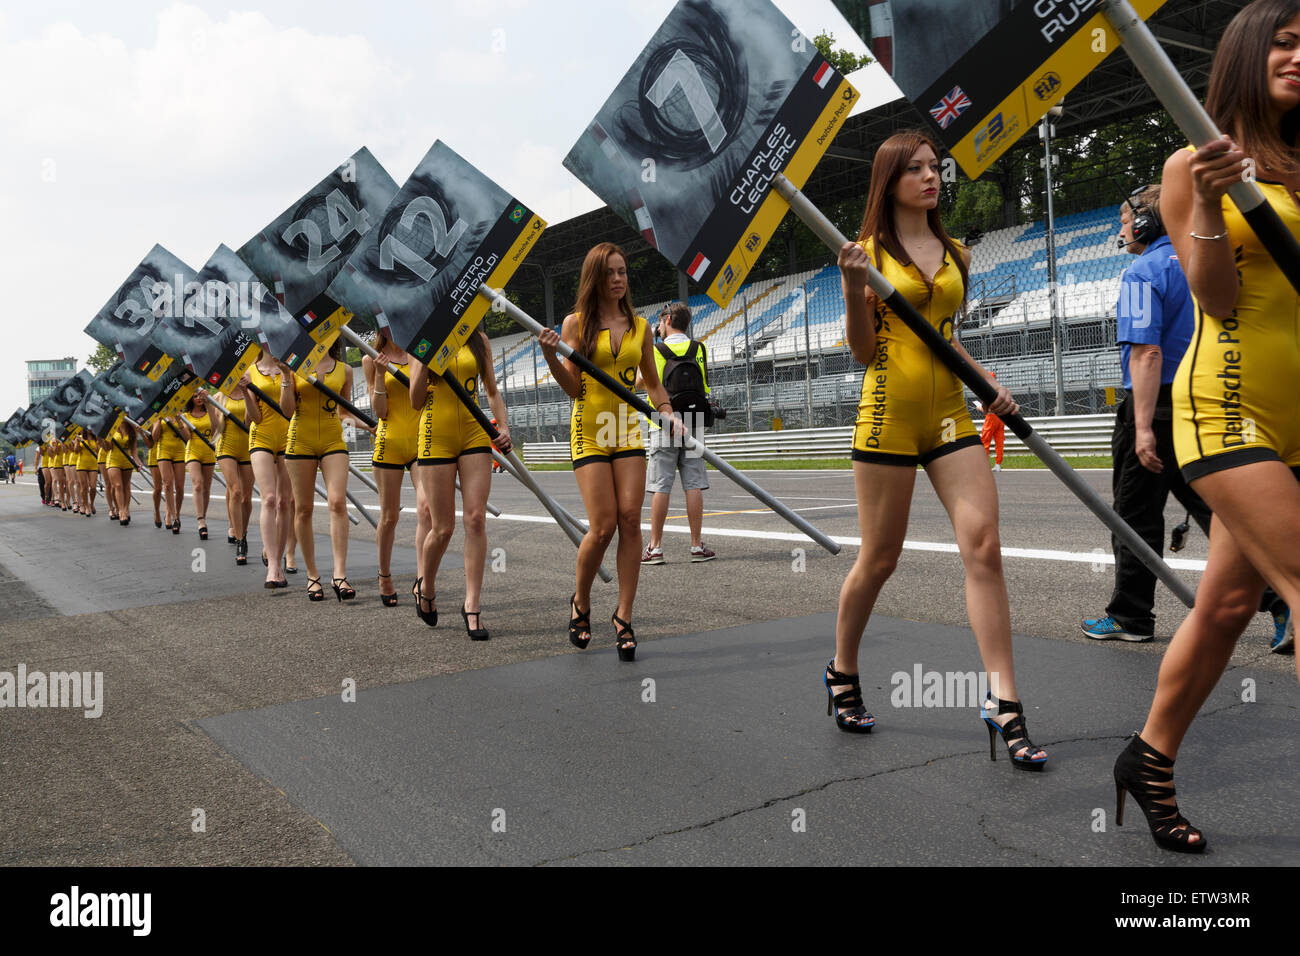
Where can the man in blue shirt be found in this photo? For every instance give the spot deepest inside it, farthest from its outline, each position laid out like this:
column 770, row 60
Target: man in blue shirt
column 1155, row 321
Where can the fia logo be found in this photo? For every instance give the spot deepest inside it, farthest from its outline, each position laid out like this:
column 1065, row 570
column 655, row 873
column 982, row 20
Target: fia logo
column 1046, row 86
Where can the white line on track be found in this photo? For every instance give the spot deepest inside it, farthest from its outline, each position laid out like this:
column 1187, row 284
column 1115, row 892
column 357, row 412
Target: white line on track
column 1034, row 554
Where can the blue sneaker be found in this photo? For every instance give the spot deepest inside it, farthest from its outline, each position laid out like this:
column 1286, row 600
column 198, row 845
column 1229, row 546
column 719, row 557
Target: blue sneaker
column 1106, row 628
column 1283, row 633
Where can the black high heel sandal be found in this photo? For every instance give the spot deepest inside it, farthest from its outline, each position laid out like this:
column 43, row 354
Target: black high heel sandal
column 1014, row 734
column 231, row 539
column 342, row 590
column 203, row 531
column 855, row 720
column 176, row 526
column 1142, row 770
column 318, row 594
column 429, row 617
column 241, row 550
column 475, row 633
column 157, row 523
column 125, row 521
column 624, row 639
column 388, row 600
column 579, row 625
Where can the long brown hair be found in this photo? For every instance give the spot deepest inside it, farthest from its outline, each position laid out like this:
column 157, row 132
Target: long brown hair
column 1238, row 99
column 887, row 168
column 482, row 349
column 590, row 283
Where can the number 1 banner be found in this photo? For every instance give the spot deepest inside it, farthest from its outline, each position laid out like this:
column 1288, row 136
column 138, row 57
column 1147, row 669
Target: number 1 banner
column 156, row 286
column 985, row 71
column 449, row 230
column 301, row 251
column 726, row 96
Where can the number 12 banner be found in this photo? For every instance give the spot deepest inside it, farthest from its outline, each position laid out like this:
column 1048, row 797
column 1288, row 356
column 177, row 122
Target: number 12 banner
column 447, row 231
column 726, row 95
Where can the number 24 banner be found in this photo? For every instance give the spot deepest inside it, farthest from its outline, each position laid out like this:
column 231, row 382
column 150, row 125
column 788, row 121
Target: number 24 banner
column 727, row 95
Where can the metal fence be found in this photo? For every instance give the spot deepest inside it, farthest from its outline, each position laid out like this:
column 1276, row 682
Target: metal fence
column 795, row 371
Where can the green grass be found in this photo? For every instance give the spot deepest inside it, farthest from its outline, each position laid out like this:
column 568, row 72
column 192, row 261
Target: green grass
column 807, row 464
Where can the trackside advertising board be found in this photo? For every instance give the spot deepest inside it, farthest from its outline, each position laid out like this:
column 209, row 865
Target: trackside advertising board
column 726, row 95
column 301, row 251
column 985, row 71
column 449, row 229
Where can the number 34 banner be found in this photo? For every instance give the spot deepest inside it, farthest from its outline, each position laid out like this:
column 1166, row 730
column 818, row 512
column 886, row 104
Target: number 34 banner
column 726, row 95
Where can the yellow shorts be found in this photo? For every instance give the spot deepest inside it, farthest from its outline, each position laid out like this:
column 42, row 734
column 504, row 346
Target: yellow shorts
column 171, row 447
column 197, row 450
column 152, row 460
column 1234, row 395
column 270, row 435
column 448, row 430
column 309, row 439
column 118, row 460
column 604, row 429
column 233, row 443
column 912, row 410
column 86, row 461
column 395, row 447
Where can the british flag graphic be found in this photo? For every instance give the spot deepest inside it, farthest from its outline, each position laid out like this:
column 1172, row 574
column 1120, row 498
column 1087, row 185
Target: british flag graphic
column 950, row 107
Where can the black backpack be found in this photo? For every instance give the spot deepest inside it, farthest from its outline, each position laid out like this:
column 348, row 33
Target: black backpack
column 685, row 383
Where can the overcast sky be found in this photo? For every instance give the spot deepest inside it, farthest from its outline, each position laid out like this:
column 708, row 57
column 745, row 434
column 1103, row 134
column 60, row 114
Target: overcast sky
column 191, row 124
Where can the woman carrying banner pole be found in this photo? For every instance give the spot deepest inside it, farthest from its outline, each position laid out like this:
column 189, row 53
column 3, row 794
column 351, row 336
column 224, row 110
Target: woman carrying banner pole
column 236, row 466
column 199, row 422
column 913, row 412
column 605, row 440
column 451, row 443
column 1236, row 429
column 170, row 443
column 395, row 453
column 315, row 440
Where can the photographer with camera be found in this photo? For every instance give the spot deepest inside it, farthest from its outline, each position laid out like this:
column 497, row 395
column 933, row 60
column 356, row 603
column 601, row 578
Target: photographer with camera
column 682, row 363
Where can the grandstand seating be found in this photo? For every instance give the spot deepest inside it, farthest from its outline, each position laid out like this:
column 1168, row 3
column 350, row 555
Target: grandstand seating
column 805, row 311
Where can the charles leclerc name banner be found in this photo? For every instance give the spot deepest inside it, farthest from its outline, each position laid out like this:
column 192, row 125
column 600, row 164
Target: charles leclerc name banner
column 726, row 95
column 300, row 252
column 985, row 71
column 449, row 229
column 156, row 287
column 215, row 338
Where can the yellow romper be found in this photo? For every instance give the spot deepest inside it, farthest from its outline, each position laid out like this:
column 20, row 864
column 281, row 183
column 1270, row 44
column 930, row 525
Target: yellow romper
column 86, row 460
column 116, row 457
column 1234, row 395
column 272, row 432
column 196, row 449
column 397, row 435
column 315, row 430
column 912, row 409
column 602, row 426
column 233, row 442
column 171, row 446
column 447, row 429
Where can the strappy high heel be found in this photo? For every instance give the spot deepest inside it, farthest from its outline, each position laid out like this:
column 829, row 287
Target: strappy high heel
column 579, row 625
column 318, row 594
column 429, row 617
column 475, row 633
column 1143, row 771
column 624, row 639
column 241, row 550
column 203, row 531
column 854, row 720
column 1014, row 734
column 176, row 526
column 387, row 600
column 342, row 590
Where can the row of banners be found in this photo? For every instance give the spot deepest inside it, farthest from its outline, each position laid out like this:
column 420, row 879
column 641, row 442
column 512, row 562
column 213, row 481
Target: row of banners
column 726, row 96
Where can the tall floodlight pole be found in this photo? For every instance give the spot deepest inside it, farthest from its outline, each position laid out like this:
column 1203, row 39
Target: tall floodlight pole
column 1046, row 129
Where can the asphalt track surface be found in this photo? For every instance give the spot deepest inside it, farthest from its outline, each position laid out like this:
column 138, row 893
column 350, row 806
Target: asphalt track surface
column 714, row 747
